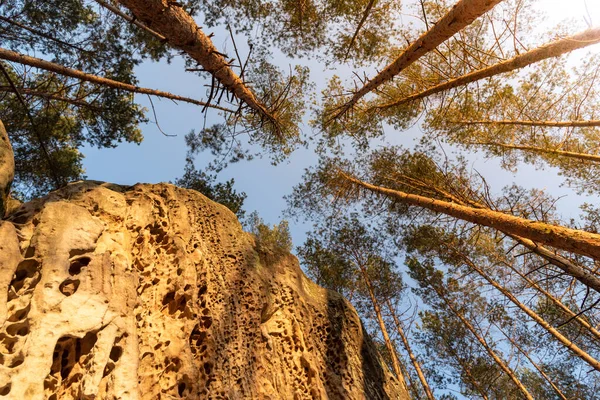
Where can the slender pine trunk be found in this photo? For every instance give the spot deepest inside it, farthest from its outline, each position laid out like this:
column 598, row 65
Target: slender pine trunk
column 179, row 28
column 386, row 337
column 576, row 241
column 411, row 355
column 556, row 302
column 461, row 15
column 549, row 50
column 555, row 124
column 542, row 150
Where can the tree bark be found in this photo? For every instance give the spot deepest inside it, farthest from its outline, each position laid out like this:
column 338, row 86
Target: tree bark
column 576, row 241
column 549, row 50
column 180, row 30
column 134, row 21
column 461, row 15
column 556, row 124
column 411, row 355
column 73, row 73
column 386, row 337
column 360, row 25
column 487, row 348
column 541, row 150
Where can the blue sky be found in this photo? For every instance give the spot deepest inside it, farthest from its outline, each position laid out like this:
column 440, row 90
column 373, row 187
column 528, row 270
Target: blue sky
column 161, row 159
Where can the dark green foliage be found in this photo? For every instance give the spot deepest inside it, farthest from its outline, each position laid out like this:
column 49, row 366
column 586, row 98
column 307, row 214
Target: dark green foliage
column 272, row 242
column 206, row 183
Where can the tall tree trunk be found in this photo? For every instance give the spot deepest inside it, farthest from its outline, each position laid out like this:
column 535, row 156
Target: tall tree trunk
column 386, row 337
column 549, row 50
column 461, row 15
column 576, row 241
column 532, row 314
column 179, row 28
column 537, row 367
column 542, row 150
column 411, row 355
column 487, row 348
column 555, row 124
column 556, row 302
column 73, row 73
column 360, row 25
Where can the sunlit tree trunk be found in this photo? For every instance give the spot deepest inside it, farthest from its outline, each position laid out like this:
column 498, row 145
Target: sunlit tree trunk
column 576, row 241
column 537, row 367
column 543, row 150
column 178, row 27
column 411, row 355
column 73, row 73
column 386, row 337
column 360, row 25
column 549, row 50
column 461, row 15
column 552, row 124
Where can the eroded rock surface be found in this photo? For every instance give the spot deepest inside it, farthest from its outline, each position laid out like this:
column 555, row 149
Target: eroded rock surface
column 155, row 292
column 7, row 169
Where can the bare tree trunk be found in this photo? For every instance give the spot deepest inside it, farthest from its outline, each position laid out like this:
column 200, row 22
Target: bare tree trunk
column 549, row 50
column 577, row 241
column 556, row 124
column 483, row 342
column 537, row 367
column 73, row 73
column 570, row 268
column 557, row 302
column 384, row 332
column 532, row 314
column 461, row 15
column 178, row 27
column 411, row 355
column 360, row 25
column 541, row 150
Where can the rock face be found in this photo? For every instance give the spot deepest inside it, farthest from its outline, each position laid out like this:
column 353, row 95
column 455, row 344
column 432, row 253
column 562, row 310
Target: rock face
column 7, row 168
column 155, row 292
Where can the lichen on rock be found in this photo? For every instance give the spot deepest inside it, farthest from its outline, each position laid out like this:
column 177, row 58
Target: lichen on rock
column 155, row 292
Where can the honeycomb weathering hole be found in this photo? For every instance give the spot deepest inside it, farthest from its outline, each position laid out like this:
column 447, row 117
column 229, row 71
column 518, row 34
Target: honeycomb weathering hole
column 77, row 265
column 69, row 286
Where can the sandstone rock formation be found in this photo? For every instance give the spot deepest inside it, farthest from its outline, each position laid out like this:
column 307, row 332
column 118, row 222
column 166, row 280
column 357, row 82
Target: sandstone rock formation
column 7, row 168
column 155, row 292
